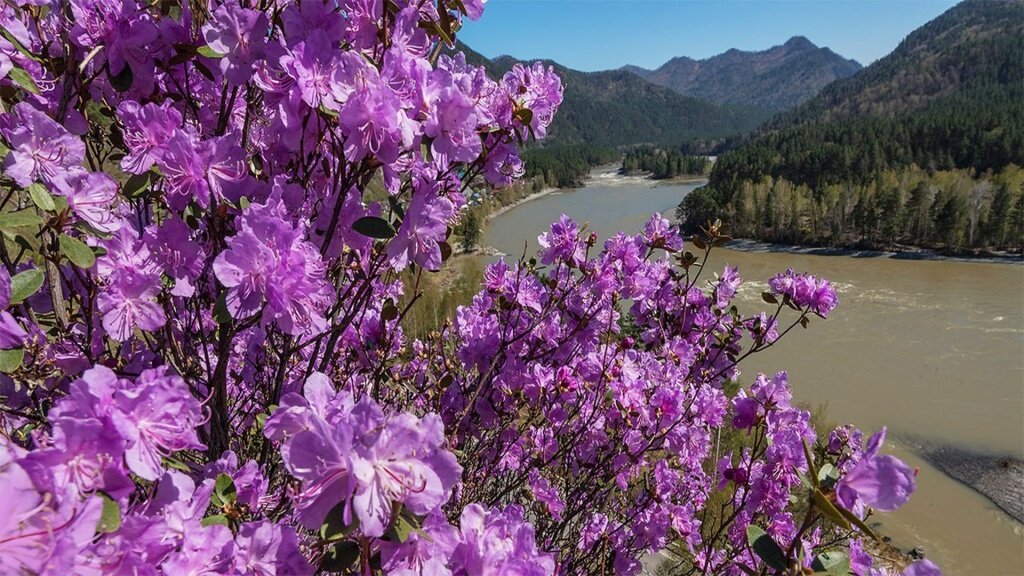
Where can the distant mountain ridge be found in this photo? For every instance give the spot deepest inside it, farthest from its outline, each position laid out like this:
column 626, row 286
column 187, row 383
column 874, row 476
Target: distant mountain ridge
column 776, row 79
column 617, row 108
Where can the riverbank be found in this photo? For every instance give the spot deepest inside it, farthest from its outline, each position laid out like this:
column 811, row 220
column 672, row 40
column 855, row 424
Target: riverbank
column 673, row 181
column 744, row 245
column 998, row 478
column 523, row 200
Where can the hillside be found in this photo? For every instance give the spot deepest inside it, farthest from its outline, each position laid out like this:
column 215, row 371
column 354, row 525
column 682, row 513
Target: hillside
column 775, row 79
column 617, row 108
column 902, row 152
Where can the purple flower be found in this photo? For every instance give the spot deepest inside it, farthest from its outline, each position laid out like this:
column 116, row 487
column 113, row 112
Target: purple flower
column 265, row 548
column 420, row 236
column 805, row 291
column 425, row 552
column 824, row 299
column 146, row 129
column 129, row 303
column 765, row 395
column 452, row 121
column 12, row 335
column 176, row 254
column 124, row 32
column 40, row 532
column 184, row 169
column 314, row 450
column 497, row 542
column 659, row 233
column 239, row 34
column 85, row 453
column 311, row 64
column 536, row 88
column 91, row 197
column 504, row 165
column 353, row 453
column 157, row 417
column 41, row 149
column 374, row 122
column 546, row 494
column 268, row 262
column 922, row 568
column 562, row 243
column 881, row 482
column 25, row 535
column 403, row 463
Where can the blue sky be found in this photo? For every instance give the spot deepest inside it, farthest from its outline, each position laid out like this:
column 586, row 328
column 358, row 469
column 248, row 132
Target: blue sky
column 603, row 34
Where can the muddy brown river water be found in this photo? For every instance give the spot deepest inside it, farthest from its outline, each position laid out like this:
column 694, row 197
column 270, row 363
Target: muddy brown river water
column 932, row 349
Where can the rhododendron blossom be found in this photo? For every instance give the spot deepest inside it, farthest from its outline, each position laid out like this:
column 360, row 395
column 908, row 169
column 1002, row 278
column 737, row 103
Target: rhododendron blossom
column 217, row 218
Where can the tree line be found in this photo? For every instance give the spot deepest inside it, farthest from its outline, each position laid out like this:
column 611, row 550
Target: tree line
column 951, row 210
column 662, row 163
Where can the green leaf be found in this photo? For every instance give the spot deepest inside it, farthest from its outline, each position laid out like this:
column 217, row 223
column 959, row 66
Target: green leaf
column 18, row 45
column 220, row 309
column 769, row 298
column 176, row 464
column 137, row 184
column 402, row 527
column 766, row 548
column 23, row 79
column 803, row 479
column 25, row 284
column 224, row 489
column 525, row 115
column 123, row 80
column 853, row 519
column 216, row 520
column 110, row 517
column 834, row 563
column 389, row 311
column 810, row 462
column 41, row 197
column 827, row 475
column 327, row 112
column 19, row 219
column 373, row 227
column 334, row 527
column 208, row 52
column 829, row 509
column 340, row 557
column 78, row 252
column 10, row 360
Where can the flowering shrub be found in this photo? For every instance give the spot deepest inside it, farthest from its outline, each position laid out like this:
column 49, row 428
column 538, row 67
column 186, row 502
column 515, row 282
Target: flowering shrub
column 204, row 213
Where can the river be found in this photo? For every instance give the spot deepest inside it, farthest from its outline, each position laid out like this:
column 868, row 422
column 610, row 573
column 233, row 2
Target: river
column 932, row 349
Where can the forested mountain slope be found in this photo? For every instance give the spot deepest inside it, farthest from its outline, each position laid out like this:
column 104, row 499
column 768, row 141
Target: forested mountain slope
column 945, row 110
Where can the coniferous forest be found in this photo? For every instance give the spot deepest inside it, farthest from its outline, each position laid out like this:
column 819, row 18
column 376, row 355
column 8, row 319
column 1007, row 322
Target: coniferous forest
column 921, row 148
column 661, row 163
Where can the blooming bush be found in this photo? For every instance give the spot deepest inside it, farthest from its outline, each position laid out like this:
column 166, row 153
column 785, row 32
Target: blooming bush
column 205, row 211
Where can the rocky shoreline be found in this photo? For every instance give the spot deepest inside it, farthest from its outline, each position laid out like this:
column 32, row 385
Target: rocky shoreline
column 998, row 478
column 745, row 245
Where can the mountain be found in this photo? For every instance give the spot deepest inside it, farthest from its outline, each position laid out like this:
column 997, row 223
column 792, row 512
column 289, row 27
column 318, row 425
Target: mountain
column 616, row 108
column 775, row 79
column 921, row 147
